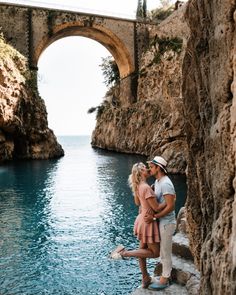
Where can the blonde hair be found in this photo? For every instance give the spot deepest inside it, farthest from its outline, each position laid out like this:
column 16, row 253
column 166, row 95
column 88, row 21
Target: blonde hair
column 135, row 177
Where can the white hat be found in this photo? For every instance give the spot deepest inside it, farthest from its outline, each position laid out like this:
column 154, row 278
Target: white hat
column 160, row 162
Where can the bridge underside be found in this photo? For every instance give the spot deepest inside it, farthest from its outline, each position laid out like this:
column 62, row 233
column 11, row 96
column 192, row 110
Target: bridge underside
column 107, row 39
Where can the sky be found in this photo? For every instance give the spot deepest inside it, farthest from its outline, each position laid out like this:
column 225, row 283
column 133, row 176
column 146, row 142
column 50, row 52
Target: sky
column 70, row 79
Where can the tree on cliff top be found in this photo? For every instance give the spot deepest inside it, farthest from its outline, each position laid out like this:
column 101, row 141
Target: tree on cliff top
column 141, row 11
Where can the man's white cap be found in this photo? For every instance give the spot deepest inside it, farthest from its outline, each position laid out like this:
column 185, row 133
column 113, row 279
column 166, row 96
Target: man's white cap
column 160, row 162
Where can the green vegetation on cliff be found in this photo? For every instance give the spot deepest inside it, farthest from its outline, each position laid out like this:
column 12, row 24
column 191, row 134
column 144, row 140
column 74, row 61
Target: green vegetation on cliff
column 110, row 71
column 8, row 51
column 163, row 45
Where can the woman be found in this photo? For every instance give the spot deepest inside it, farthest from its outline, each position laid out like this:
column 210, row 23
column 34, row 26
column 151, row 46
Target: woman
column 147, row 233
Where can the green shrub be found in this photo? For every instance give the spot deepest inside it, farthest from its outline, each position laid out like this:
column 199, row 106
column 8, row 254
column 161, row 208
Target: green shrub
column 92, row 110
column 110, row 71
column 159, row 14
column 166, row 44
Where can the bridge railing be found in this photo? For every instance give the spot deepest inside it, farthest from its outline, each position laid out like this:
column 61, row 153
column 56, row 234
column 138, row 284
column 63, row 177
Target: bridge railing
column 71, row 8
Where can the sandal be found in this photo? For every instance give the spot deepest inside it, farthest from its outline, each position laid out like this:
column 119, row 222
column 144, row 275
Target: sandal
column 116, row 253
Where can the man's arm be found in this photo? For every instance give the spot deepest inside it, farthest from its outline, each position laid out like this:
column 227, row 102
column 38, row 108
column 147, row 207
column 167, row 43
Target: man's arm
column 170, row 206
column 155, row 205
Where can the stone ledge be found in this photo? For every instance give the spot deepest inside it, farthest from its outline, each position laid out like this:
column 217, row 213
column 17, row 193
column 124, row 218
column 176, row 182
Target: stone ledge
column 172, row 290
column 183, row 269
column 180, row 246
column 183, row 273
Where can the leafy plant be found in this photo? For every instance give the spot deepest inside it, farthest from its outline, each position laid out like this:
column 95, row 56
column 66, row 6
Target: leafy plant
column 99, row 109
column 163, row 12
column 166, row 44
column 92, row 110
column 110, row 71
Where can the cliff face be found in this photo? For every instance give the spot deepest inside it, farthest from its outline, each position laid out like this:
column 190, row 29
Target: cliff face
column 186, row 111
column 210, row 118
column 155, row 123
column 24, row 131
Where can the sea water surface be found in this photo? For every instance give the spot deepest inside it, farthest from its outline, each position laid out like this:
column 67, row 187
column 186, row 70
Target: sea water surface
column 59, row 219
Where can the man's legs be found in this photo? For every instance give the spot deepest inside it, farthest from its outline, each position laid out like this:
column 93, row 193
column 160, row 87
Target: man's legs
column 166, row 233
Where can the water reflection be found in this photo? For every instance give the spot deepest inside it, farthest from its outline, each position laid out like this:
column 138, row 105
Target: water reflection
column 59, row 220
column 120, row 211
column 24, row 234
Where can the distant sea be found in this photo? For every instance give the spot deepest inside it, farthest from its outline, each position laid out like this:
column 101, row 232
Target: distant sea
column 59, row 219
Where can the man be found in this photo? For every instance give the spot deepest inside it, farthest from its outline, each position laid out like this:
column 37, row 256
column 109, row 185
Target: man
column 165, row 192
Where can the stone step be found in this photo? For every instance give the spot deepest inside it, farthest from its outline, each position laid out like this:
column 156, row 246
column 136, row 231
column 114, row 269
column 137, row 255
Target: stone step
column 185, row 278
column 180, row 246
column 173, row 289
column 183, row 270
column 183, row 273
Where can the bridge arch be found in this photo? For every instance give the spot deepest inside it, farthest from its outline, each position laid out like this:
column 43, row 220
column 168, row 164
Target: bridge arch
column 98, row 33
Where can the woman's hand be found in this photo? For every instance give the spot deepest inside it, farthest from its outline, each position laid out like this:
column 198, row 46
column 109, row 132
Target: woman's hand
column 148, row 218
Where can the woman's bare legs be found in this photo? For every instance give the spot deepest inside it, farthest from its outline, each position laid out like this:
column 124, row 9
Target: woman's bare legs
column 143, row 267
column 144, row 251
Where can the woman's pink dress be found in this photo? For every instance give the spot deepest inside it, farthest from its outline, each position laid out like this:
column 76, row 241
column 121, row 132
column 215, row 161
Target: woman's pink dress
column 146, row 232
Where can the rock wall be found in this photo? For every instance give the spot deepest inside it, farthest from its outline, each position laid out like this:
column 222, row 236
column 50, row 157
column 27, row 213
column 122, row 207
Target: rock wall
column 210, row 120
column 24, row 131
column 186, row 111
column 155, row 123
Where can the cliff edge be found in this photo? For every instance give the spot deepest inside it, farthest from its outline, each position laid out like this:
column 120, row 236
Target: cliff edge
column 24, row 132
column 154, row 124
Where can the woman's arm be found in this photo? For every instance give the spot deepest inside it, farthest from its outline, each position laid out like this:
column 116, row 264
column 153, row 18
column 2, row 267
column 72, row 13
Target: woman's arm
column 152, row 202
column 136, row 200
column 169, row 206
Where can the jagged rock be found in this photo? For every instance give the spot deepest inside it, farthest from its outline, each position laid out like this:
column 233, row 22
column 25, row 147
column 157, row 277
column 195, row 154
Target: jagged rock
column 181, row 246
column 209, row 105
column 131, row 129
column 193, row 285
column 181, row 225
column 24, row 131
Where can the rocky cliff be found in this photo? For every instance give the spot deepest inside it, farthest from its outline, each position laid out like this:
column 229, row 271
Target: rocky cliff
column 154, row 124
column 186, row 111
column 210, row 120
column 24, row 131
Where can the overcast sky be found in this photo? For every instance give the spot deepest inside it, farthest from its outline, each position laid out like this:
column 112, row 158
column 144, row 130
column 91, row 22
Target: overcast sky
column 71, row 80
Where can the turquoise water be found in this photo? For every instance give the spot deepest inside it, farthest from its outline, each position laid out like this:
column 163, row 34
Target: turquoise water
column 60, row 218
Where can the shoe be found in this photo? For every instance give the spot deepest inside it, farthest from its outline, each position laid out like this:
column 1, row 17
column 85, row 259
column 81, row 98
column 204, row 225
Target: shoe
column 115, row 254
column 155, row 279
column 156, row 286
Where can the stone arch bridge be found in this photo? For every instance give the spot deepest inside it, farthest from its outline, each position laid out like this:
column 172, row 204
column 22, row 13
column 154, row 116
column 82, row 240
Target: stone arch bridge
column 32, row 29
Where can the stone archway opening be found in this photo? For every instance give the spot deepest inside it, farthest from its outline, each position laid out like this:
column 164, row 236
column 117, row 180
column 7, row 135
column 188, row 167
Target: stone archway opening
column 98, row 33
column 71, row 82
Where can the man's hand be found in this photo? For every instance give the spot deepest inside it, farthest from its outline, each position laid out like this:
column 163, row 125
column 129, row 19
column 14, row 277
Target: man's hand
column 148, row 218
